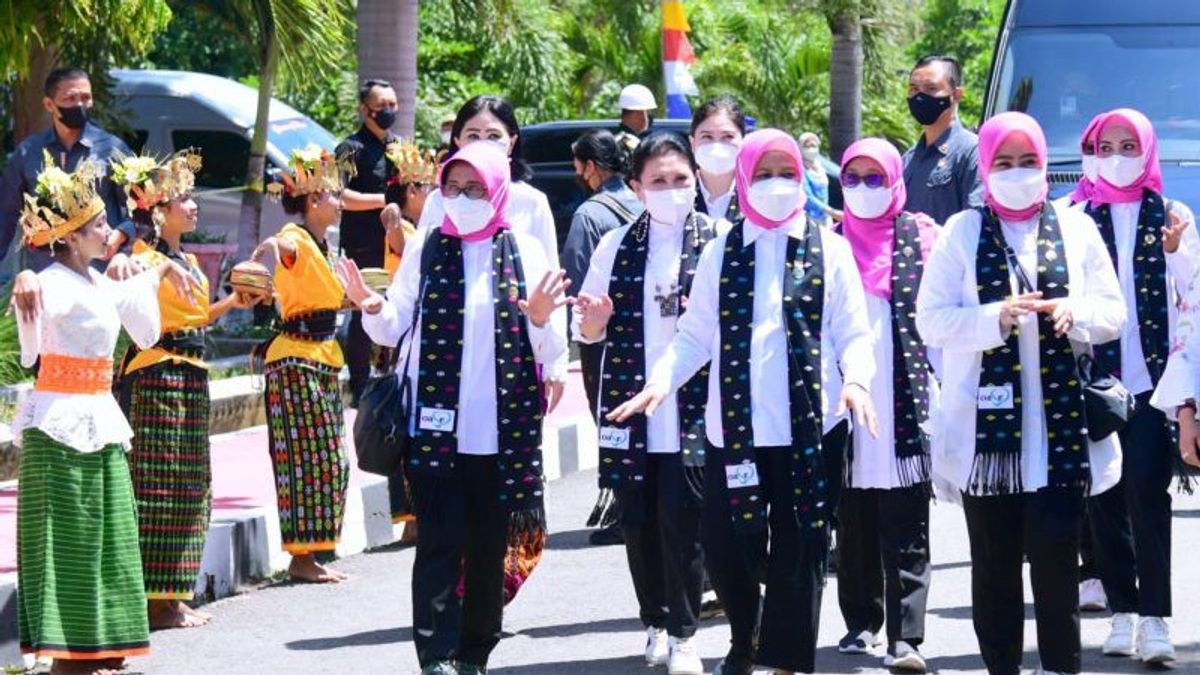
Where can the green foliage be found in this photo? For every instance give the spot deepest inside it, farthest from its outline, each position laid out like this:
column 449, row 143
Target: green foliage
column 966, row 29
column 202, row 38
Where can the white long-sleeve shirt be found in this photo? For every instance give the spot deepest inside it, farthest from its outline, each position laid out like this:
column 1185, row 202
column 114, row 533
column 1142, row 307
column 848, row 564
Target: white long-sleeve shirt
column 1180, row 266
column 949, row 317
column 530, row 214
column 845, row 335
column 476, row 425
column 81, row 317
column 874, row 464
column 662, row 278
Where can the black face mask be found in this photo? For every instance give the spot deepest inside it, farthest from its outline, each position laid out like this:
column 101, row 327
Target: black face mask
column 927, row 109
column 384, row 117
column 74, row 117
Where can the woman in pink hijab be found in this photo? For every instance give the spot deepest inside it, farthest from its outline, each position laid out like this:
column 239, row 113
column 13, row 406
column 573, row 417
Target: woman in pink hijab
column 1012, row 293
column 481, row 309
column 883, row 516
column 786, row 367
column 1153, row 244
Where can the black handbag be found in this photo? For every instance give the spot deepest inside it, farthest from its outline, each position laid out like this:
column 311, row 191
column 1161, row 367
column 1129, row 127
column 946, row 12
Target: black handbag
column 381, row 435
column 1108, row 404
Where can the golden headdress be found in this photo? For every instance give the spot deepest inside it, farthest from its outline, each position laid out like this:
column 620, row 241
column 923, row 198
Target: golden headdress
column 313, row 169
column 412, row 165
column 149, row 183
column 61, row 202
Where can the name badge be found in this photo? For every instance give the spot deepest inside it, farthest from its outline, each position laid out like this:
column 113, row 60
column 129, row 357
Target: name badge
column 614, row 438
column 995, row 397
column 436, row 419
column 741, row 475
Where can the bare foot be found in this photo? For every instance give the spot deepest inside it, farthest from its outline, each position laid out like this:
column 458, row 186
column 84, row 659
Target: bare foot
column 166, row 614
column 197, row 612
column 409, row 537
column 306, row 568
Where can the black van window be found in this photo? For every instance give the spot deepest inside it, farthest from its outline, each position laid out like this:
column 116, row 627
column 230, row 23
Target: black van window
column 225, row 156
column 1150, row 69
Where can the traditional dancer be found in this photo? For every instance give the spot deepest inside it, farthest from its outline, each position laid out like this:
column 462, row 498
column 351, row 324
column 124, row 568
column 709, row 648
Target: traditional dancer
column 301, row 364
column 81, row 596
column 164, row 392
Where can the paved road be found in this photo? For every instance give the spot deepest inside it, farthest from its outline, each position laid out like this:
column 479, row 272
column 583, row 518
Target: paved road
column 576, row 614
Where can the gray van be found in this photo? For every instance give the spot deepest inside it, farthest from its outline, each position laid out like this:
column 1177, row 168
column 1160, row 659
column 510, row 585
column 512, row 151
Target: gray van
column 1064, row 61
column 168, row 110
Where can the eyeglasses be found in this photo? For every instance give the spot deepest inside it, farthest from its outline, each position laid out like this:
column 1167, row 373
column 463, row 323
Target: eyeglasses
column 472, row 190
column 873, row 181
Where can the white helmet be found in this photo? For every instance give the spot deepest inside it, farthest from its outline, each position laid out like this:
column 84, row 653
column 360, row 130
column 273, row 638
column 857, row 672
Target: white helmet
column 637, row 97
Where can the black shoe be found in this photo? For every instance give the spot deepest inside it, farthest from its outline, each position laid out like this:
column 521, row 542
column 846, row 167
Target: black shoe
column 608, row 536
column 711, row 609
column 858, row 642
column 734, row 665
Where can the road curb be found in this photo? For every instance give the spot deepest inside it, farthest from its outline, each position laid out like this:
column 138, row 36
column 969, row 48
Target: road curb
column 243, row 549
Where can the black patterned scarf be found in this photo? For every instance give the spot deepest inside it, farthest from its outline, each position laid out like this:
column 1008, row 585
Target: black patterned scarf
column 623, row 446
column 733, row 212
column 910, row 364
column 803, row 304
column 997, row 466
column 1149, row 280
column 519, row 414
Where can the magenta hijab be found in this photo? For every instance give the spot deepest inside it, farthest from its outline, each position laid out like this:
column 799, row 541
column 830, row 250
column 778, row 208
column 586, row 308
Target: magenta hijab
column 754, row 146
column 873, row 241
column 491, row 164
column 992, row 135
column 1085, row 187
column 1151, row 178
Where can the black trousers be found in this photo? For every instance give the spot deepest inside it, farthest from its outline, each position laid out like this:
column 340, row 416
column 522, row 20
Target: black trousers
column 590, row 361
column 883, row 536
column 1044, row 527
column 1131, row 523
column 463, row 530
column 662, row 542
column 1087, row 549
column 790, row 559
column 358, row 345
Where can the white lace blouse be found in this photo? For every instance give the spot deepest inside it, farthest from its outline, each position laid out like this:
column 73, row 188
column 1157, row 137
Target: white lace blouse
column 81, row 317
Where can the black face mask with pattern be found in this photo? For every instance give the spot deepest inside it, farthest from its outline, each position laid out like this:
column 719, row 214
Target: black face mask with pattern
column 927, row 109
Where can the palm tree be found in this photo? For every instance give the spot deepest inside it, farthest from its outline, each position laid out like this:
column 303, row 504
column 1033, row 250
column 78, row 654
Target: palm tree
column 387, row 49
column 290, row 37
column 37, row 37
column 845, row 74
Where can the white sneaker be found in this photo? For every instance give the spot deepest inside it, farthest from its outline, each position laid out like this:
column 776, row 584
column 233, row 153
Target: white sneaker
column 685, row 659
column 905, row 657
column 1120, row 636
column 858, row 643
column 1091, row 596
column 657, row 649
column 1154, row 641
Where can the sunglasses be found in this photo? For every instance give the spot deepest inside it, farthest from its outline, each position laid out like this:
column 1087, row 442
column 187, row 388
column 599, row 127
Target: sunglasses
column 873, row 181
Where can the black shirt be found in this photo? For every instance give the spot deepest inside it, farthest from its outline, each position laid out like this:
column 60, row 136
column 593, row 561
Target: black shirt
column 943, row 179
column 361, row 232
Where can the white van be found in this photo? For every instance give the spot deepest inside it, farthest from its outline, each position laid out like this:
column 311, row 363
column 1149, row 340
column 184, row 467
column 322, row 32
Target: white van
column 168, row 110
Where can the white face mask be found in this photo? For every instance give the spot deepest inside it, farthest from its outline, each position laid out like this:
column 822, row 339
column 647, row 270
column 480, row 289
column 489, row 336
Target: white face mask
column 1121, row 171
column 1091, row 167
column 810, row 153
column 468, row 215
column 446, row 137
column 717, row 158
column 669, row 207
column 498, row 142
column 777, row 198
column 867, row 203
column 1017, row 189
